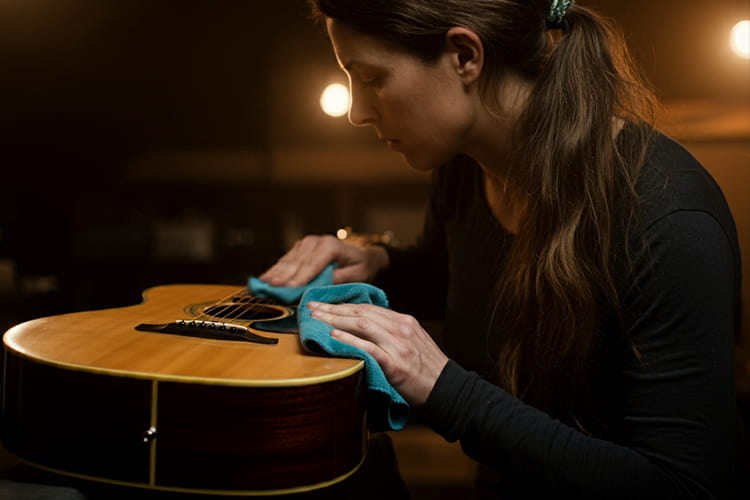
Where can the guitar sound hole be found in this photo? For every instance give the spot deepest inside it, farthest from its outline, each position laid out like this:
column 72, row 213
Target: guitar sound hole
column 242, row 311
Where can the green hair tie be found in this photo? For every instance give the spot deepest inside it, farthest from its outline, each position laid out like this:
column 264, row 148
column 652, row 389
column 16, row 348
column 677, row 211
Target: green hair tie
column 556, row 13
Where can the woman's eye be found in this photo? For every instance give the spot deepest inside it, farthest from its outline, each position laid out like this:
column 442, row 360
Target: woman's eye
column 369, row 81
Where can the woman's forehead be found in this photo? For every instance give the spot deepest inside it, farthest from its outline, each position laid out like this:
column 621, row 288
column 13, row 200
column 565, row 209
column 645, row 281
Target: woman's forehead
column 354, row 48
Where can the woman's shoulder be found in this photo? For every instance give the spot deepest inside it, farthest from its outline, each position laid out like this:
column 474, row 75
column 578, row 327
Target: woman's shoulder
column 675, row 186
column 673, row 180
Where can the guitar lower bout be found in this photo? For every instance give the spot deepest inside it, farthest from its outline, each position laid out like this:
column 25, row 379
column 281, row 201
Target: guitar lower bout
column 89, row 395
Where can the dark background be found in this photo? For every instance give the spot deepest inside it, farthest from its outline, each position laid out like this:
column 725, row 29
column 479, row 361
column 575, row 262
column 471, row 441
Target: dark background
column 129, row 130
column 152, row 141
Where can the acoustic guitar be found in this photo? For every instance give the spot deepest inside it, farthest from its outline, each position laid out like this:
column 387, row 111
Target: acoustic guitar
column 182, row 393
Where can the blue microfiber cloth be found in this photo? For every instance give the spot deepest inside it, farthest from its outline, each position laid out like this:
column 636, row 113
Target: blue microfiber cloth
column 386, row 408
column 289, row 294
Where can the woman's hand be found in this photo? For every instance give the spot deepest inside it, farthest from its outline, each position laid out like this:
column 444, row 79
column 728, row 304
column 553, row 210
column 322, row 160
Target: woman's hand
column 407, row 354
column 310, row 255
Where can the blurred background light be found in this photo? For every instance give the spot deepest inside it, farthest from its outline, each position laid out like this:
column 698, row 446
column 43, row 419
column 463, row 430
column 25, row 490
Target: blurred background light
column 335, row 100
column 740, row 39
column 343, row 233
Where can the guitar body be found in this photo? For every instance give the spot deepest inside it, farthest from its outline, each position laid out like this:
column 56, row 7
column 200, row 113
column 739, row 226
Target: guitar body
column 89, row 395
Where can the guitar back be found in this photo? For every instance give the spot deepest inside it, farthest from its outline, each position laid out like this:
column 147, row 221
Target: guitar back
column 87, row 394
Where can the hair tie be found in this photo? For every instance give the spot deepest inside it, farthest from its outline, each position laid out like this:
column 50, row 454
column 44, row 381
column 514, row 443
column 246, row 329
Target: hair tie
column 556, row 13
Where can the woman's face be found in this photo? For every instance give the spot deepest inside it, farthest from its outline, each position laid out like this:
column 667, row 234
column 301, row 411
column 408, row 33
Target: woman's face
column 421, row 110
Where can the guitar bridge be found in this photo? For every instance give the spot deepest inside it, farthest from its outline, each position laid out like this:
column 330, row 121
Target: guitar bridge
column 207, row 329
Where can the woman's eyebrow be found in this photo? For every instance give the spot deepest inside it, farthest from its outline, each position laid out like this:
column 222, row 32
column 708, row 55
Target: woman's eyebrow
column 354, row 64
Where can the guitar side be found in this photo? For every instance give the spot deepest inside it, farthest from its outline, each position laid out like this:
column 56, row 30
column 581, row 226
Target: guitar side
column 88, row 395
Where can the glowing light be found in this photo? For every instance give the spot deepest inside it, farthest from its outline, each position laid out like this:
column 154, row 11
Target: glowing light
column 342, row 233
column 335, row 100
column 740, row 39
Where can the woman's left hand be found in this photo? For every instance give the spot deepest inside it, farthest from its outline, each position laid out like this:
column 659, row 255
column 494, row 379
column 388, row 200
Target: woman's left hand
column 407, row 354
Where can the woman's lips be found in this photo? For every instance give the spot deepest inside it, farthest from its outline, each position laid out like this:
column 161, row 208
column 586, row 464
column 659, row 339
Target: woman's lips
column 391, row 143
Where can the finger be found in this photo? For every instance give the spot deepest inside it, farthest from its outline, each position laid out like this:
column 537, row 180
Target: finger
column 311, row 257
column 362, row 320
column 382, row 356
column 354, row 340
column 355, row 310
column 307, row 258
column 284, row 268
column 282, row 272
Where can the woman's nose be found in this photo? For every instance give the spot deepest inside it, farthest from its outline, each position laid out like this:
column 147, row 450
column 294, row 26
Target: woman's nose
column 361, row 111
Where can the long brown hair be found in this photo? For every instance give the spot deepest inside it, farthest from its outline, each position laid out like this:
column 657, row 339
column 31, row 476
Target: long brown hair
column 573, row 174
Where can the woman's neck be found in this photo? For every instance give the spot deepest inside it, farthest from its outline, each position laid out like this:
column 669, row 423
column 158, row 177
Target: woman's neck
column 490, row 144
column 507, row 207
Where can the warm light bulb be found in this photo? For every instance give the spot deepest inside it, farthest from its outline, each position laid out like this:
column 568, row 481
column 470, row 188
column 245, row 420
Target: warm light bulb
column 335, row 100
column 740, row 39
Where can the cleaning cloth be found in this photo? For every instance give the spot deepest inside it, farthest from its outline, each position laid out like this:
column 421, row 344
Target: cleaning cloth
column 386, row 408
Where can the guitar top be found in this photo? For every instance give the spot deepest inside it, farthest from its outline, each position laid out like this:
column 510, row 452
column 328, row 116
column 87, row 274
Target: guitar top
column 107, row 341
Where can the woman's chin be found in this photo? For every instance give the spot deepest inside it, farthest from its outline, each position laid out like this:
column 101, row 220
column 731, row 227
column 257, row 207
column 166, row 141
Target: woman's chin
column 421, row 163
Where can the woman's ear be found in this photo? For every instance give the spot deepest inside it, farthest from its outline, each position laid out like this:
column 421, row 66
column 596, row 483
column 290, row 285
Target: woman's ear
column 467, row 53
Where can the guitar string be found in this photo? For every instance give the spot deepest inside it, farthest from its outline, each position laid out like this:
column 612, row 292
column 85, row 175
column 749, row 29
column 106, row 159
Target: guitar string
column 252, row 304
column 231, row 309
column 246, row 306
column 225, row 305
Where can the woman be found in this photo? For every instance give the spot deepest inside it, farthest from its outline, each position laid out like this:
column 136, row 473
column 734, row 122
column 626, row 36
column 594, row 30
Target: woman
column 586, row 265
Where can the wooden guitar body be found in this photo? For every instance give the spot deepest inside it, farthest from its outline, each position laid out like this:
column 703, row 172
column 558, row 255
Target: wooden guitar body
column 89, row 395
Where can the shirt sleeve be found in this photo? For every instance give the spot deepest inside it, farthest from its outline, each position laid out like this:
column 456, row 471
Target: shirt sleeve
column 678, row 420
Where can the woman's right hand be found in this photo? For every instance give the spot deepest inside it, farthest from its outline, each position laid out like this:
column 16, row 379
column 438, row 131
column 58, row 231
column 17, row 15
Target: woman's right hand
column 310, row 255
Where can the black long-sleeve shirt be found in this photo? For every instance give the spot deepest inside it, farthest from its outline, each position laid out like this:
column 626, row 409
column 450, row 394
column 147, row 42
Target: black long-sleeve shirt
column 671, row 417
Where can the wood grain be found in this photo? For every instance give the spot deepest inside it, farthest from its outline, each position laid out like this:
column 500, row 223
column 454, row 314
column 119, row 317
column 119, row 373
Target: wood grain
column 107, row 340
column 82, row 390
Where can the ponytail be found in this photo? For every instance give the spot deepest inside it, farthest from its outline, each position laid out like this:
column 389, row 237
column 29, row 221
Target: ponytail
column 578, row 182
